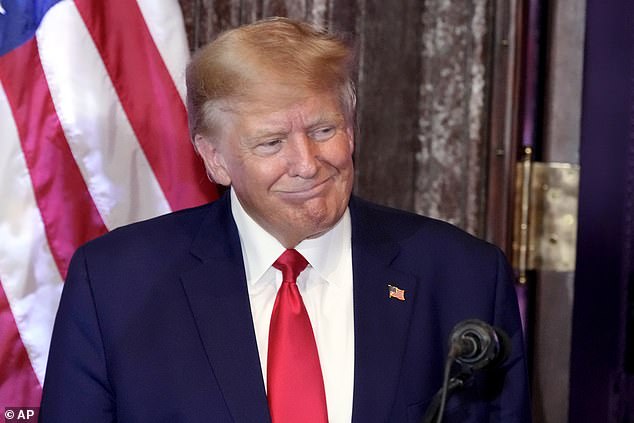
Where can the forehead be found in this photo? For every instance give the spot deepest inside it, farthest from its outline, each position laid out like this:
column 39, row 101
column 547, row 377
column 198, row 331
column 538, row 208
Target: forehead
column 284, row 111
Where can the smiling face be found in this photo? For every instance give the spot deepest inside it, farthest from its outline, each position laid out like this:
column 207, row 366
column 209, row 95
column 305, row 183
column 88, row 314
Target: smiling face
column 290, row 166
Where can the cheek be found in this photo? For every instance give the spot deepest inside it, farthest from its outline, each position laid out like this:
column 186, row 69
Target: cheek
column 258, row 176
column 341, row 157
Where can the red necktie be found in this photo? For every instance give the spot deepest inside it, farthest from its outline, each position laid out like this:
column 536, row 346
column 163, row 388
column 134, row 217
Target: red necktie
column 295, row 386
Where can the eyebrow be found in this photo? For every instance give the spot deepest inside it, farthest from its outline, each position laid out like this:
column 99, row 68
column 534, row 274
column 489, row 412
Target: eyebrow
column 274, row 129
column 327, row 118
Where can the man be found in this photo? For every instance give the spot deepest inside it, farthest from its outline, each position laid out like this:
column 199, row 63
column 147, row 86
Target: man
column 287, row 299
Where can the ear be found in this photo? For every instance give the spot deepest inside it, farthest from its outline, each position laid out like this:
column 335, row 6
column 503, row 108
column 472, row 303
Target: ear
column 214, row 160
column 350, row 134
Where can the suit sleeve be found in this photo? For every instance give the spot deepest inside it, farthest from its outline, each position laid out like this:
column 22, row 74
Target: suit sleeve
column 512, row 405
column 76, row 385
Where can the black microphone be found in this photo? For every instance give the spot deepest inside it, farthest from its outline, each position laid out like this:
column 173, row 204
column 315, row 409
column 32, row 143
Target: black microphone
column 475, row 344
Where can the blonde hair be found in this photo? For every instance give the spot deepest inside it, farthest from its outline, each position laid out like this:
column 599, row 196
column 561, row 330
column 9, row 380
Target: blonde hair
column 242, row 62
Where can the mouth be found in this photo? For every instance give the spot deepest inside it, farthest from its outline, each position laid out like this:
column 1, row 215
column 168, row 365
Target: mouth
column 306, row 192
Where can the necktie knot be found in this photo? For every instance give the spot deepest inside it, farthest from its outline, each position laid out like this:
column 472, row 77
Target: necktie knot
column 291, row 263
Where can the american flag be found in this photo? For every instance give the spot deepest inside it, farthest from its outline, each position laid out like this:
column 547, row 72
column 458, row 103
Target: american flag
column 396, row 292
column 93, row 135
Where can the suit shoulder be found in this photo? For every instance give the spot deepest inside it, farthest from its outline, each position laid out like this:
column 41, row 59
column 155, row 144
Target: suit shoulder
column 406, row 228
column 171, row 228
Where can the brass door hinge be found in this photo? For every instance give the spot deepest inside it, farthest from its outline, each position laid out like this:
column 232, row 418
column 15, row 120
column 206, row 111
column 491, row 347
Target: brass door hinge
column 545, row 216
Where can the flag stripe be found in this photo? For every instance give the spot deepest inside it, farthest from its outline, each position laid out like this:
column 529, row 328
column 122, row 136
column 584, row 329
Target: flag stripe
column 30, row 277
column 69, row 214
column 18, row 385
column 128, row 51
column 117, row 173
column 165, row 22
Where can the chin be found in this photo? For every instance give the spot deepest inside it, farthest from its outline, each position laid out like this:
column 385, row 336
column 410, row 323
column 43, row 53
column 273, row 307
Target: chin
column 321, row 222
column 312, row 218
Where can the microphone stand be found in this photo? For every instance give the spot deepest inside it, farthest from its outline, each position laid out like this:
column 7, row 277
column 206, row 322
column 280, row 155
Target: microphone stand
column 436, row 407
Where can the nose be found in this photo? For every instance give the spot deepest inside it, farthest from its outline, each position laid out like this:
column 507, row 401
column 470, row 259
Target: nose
column 303, row 157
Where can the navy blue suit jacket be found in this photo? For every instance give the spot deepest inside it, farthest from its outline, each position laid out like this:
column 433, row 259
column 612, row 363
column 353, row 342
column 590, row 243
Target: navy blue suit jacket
column 154, row 323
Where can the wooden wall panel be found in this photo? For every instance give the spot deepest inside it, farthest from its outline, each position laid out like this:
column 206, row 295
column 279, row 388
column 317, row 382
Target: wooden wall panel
column 342, row 14
column 389, row 69
column 450, row 177
column 204, row 19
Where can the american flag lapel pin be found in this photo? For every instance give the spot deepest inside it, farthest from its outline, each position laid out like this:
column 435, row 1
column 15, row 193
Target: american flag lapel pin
column 396, row 292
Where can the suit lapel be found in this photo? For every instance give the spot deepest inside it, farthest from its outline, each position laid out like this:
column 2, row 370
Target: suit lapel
column 219, row 302
column 381, row 323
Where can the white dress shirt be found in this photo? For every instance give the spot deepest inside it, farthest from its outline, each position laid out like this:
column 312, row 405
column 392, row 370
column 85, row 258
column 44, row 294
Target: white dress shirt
column 326, row 288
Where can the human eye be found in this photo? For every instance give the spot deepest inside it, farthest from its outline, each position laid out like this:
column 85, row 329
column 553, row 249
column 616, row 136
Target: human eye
column 268, row 147
column 323, row 133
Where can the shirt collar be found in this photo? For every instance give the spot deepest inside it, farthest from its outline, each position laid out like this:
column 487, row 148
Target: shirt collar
column 260, row 249
column 327, row 253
